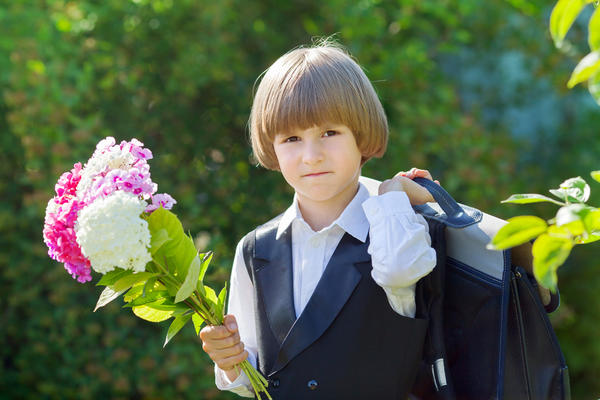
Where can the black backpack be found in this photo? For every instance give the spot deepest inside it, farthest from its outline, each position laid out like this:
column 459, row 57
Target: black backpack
column 489, row 336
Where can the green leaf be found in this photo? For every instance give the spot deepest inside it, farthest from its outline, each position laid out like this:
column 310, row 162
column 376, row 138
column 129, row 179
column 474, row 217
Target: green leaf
column 549, row 253
column 134, row 292
column 594, row 87
column 205, row 262
column 111, row 277
column 591, row 221
column 594, row 30
column 518, row 231
column 177, row 253
column 588, row 66
column 198, row 321
column 563, row 15
column 573, row 190
column 128, row 281
column 221, row 303
column 166, row 304
column 188, row 286
column 588, row 239
column 572, row 217
column 151, row 285
column 210, row 298
column 178, row 323
column 527, row 198
column 107, row 296
column 148, row 298
column 595, row 175
column 158, row 238
column 152, row 314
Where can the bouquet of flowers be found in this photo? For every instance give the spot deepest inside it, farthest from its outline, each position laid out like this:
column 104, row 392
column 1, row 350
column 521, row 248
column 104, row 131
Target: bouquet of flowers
column 106, row 216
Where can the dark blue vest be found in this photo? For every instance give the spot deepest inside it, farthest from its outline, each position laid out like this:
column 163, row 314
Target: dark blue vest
column 348, row 343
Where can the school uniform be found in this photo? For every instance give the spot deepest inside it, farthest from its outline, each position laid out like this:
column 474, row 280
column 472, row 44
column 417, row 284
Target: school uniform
column 310, row 306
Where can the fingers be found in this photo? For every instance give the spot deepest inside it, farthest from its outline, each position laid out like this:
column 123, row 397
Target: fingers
column 222, row 343
column 230, row 323
column 224, row 356
column 229, row 363
column 216, row 341
column 417, row 173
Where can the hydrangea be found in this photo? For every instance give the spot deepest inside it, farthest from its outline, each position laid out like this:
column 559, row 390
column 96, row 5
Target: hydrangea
column 115, row 167
column 111, row 233
column 117, row 176
column 59, row 224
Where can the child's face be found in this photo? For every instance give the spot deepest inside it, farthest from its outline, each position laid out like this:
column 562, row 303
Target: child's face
column 321, row 163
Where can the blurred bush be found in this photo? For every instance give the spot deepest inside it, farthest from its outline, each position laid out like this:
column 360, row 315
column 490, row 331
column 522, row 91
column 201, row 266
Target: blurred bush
column 474, row 91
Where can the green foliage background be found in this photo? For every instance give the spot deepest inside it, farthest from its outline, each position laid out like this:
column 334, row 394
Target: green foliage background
column 474, row 91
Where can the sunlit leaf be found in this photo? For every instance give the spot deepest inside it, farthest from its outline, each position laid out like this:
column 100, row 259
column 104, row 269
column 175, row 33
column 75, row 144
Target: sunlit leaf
column 527, row 198
column 177, row 253
column 210, row 297
column 594, row 30
column 127, row 281
column 189, row 284
column 152, row 314
column 198, row 321
column 178, row 323
column 594, row 87
column 134, row 292
column 549, row 253
column 572, row 218
column 518, row 231
column 148, row 298
column 563, row 15
column 573, row 190
column 595, row 175
column 205, row 262
column 158, row 238
column 591, row 221
column 221, row 303
column 588, row 66
column 111, row 277
column 107, row 296
column 588, row 239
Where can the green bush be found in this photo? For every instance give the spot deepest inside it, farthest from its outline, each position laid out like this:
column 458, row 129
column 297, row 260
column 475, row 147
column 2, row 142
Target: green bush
column 179, row 76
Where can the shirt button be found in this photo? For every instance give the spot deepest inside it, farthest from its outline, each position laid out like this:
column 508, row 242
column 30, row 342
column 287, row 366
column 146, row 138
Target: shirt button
column 275, row 383
column 312, row 384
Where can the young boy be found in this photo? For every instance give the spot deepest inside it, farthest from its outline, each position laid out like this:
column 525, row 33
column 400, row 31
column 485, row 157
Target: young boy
column 322, row 297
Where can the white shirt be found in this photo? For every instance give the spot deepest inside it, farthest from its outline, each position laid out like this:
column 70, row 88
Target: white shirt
column 400, row 249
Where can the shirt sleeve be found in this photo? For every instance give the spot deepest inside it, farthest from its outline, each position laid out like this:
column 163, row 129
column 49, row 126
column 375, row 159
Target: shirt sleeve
column 241, row 305
column 400, row 248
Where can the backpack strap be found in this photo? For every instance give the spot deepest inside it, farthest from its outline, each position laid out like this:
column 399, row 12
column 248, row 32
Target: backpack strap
column 434, row 373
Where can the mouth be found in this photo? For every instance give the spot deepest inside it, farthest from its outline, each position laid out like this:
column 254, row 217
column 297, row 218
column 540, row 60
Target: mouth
column 315, row 174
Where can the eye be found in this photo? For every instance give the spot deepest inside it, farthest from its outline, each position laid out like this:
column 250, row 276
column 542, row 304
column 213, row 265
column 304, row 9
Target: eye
column 291, row 139
column 330, row 132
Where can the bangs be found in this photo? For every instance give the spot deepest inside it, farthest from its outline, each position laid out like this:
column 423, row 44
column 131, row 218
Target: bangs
column 314, row 99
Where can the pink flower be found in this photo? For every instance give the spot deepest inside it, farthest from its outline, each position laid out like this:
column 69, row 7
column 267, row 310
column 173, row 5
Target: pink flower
column 161, row 200
column 59, row 224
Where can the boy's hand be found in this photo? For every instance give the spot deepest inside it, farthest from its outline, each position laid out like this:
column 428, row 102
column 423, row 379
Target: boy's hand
column 222, row 344
column 402, row 181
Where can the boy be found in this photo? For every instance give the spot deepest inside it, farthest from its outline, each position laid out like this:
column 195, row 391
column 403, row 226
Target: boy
column 322, row 297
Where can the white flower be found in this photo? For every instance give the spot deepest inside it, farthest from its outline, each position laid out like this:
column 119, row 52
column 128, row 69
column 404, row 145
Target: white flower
column 112, row 234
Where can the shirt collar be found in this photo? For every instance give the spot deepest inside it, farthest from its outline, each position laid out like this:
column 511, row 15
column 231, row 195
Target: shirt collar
column 352, row 220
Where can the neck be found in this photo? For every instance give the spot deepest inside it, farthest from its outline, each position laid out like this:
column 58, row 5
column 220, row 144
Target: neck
column 320, row 214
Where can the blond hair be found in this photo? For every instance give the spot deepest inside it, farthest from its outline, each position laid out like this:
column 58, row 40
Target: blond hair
column 314, row 86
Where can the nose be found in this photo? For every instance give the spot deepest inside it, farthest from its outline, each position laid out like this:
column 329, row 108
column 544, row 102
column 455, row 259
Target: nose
column 313, row 152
